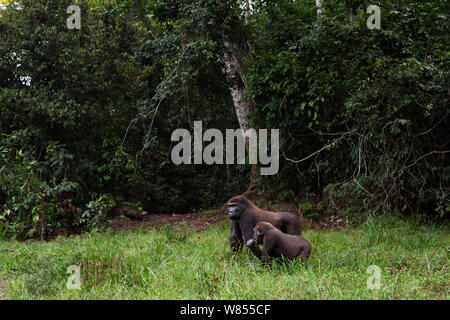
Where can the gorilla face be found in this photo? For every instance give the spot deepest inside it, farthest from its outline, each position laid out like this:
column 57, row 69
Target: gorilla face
column 233, row 211
column 258, row 235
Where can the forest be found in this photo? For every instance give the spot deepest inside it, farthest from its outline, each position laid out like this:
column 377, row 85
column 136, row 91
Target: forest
column 92, row 91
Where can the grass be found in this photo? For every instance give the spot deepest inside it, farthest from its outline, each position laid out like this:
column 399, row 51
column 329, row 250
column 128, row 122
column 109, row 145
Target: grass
column 177, row 263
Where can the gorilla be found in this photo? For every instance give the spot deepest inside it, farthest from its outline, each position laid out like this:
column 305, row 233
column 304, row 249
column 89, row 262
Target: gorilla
column 276, row 244
column 245, row 215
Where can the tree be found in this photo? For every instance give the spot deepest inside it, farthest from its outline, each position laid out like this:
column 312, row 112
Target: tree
column 319, row 6
column 233, row 57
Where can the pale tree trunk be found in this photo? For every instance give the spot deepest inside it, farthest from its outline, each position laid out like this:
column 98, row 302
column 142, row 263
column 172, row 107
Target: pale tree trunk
column 247, row 10
column 233, row 58
column 319, row 7
column 233, row 65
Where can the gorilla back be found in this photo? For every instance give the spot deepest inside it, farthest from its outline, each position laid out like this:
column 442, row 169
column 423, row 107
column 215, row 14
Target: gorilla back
column 245, row 215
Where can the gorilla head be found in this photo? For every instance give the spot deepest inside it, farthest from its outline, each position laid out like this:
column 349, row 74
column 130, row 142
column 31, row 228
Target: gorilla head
column 259, row 231
column 236, row 206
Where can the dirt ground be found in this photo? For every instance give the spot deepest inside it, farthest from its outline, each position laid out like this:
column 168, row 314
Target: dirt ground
column 201, row 221
column 195, row 221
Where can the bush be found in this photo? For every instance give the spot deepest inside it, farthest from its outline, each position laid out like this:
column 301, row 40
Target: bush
column 32, row 206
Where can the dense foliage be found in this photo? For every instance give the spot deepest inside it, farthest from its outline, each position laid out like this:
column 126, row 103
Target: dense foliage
column 86, row 115
column 378, row 99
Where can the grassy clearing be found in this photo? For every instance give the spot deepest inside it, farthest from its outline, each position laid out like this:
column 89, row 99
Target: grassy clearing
column 176, row 263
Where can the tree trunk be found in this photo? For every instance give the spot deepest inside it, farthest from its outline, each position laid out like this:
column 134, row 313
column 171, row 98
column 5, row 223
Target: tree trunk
column 233, row 58
column 247, row 11
column 319, row 7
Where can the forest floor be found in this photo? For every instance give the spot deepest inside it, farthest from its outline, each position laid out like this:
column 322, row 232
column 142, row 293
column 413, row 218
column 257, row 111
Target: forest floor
column 200, row 221
column 188, row 257
column 194, row 221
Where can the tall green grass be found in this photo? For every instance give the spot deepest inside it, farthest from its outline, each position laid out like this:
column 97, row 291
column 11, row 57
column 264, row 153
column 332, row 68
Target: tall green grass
column 177, row 263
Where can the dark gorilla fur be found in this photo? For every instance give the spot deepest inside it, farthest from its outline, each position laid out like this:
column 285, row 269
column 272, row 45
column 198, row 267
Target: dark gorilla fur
column 277, row 244
column 245, row 215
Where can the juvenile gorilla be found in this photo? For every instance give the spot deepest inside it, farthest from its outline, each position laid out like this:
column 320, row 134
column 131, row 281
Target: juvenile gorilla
column 276, row 243
column 245, row 215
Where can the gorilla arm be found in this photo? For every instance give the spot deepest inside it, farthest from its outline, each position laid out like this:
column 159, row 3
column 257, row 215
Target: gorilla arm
column 235, row 236
column 262, row 255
